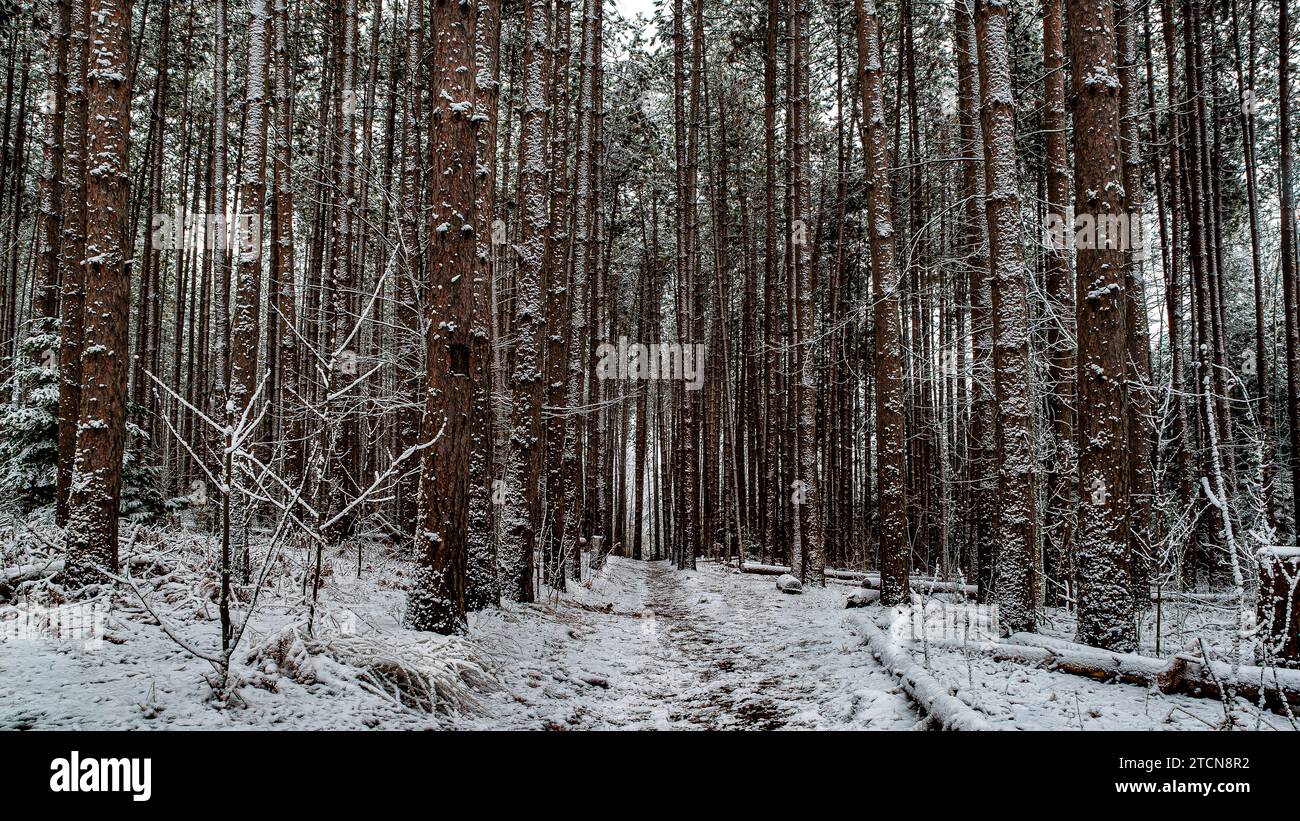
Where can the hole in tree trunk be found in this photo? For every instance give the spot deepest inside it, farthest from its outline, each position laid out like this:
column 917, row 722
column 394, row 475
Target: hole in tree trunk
column 458, row 360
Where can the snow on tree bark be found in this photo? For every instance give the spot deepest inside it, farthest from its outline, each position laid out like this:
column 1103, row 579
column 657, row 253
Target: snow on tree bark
column 808, row 536
column 981, row 473
column 245, row 328
column 1105, row 600
column 1290, row 270
column 72, row 254
column 411, row 261
column 1141, row 408
column 47, row 290
column 101, row 428
column 286, row 287
column 1015, row 583
column 344, row 344
column 579, row 341
column 891, row 454
column 556, row 527
column 482, row 584
column 437, row 597
column 686, row 436
column 523, row 501
column 219, row 251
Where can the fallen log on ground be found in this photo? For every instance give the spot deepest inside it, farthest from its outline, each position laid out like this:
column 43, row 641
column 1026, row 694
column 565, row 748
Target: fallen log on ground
column 1185, row 674
column 12, row 577
column 871, row 581
column 27, row 572
column 15, row 575
column 862, row 597
column 1278, row 689
column 1195, row 598
column 948, row 711
column 1089, row 662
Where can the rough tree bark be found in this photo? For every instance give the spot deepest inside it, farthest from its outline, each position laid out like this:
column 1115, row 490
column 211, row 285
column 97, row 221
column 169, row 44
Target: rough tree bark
column 101, row 429
column 891, row 452
column 72, row 252
column 482, row 586
column 1141, row 408
column 1105, row 600
column 1015, row 585
column 292, row 411
column 523, row 508
column 437, row 598
column 46, row 303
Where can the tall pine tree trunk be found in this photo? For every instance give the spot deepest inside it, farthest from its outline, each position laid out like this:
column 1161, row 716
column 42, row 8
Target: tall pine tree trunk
column 1015, row 585
column 437, row 599
column 891, row 453
column 482, row 585
column 101, row 430
column 524, row 478
column 72, row 253
column 1105, row 599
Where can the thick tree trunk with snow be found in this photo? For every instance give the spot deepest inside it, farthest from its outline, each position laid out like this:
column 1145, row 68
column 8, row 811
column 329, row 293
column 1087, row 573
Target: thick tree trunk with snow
column 72, row 253
column 437, row 598
column 1141, row 408
column 482, row 584
column 557, row 290
column 980, row 471
column 1105, row 600
column 101, row 429
column 524, row 477
column 580, row 268
column 684, row 144
column 891, row 454
column 245, row 329
column 1278, row 612
column 1015, row 584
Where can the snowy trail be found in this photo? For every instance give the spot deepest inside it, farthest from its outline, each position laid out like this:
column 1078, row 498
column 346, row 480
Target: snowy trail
column 716, row 649
column 707, row 649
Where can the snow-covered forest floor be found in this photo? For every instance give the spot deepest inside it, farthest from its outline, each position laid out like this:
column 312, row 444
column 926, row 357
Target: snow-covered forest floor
column 638, row 645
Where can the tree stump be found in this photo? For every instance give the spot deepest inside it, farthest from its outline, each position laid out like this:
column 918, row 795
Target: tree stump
column 1278, row 611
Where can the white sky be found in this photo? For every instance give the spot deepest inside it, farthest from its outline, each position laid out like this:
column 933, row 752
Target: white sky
column 631, row 8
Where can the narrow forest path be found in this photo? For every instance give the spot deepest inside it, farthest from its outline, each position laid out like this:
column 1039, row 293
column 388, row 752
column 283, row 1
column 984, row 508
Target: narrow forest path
column 648, row 647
